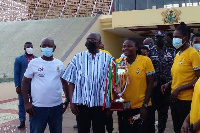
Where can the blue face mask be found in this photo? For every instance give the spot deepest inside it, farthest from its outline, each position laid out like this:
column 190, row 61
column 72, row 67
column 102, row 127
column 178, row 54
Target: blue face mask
column 177, row 42
column 147, row 46
column 197, row 47
column 48, row 52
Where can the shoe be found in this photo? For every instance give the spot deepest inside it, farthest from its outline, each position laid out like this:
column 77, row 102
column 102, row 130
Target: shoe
column 75, row 126
column 22, row 125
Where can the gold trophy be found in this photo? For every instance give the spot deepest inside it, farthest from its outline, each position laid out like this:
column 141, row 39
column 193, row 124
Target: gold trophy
column 117, row 102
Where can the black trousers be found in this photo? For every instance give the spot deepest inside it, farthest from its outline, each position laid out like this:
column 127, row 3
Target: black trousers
column 88, row 115
column 179, row 109
column 109, row 123
column 161, row 103
column 120, row 121
column 137, row 127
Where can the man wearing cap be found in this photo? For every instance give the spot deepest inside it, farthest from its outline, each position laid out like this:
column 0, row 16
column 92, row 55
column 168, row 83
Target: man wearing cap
column 148, row 42
column 162, row 58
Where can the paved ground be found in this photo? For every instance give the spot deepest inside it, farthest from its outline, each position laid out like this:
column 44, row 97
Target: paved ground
column 9, row 117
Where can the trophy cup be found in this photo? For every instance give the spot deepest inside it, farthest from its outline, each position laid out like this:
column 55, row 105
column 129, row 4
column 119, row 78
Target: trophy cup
column 121, row 82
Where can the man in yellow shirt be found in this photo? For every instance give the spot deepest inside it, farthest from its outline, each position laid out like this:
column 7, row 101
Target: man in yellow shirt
column 101, row 48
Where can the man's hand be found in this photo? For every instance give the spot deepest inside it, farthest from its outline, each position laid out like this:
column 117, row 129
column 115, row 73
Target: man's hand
column 143, row 113
column 184, row 128
column 164, row 87
column 175, row 93
column 65, row 105
column 74, row 108
column 18, row 90
column 155, row 84
column 29, row 108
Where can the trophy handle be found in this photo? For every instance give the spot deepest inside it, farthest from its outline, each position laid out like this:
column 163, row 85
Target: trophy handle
column 120, row 94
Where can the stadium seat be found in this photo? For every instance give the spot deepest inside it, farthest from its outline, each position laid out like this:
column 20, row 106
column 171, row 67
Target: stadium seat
column 70, row 8
column 55, row 9
column 85, row 8
column 50, row 9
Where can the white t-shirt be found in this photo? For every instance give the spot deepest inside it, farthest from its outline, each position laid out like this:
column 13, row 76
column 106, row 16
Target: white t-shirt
column 46, row 86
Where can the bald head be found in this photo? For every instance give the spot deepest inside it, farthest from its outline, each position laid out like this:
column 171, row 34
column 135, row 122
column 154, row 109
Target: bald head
column 48, row 39
column 48, row 42
column 95, row 35
column 148, row 41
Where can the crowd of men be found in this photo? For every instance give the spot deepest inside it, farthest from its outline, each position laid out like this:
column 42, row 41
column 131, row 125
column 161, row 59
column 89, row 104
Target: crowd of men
column 160, row 77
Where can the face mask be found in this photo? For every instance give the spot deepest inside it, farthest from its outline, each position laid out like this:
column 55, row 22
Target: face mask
column 29, row 51
column 197, row 47
column 48, row 52
column 147, row 46
column 91, row 46
column 160, row 42
column 177, row 42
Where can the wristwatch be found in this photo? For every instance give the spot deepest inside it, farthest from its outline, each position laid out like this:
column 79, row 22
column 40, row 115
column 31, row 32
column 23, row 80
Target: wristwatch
column 145, row 105
column 191, row 129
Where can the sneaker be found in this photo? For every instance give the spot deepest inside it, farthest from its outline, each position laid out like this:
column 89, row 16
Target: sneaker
column 22, row 124
column 75, row 126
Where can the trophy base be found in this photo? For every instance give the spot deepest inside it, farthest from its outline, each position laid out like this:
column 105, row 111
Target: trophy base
column 120, row 106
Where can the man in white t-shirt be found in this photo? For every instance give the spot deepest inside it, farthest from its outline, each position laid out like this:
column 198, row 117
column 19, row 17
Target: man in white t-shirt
column 46, row 107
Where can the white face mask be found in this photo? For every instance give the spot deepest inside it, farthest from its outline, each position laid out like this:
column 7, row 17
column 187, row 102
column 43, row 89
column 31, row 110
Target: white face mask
column 29, row 50
column 197, row 46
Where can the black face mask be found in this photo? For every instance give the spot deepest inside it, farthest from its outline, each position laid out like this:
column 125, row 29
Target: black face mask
column 160, row 42
column 91, row 46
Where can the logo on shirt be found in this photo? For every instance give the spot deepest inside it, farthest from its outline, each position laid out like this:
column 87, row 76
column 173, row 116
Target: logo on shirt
column 168, row 55
column 138, row 71
column 41, row 69
column 181, row 62
column 58, row 69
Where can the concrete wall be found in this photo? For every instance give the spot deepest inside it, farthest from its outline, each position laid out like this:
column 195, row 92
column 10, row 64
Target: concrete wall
column 15, row 34
column 151, row 17
column 112, row 42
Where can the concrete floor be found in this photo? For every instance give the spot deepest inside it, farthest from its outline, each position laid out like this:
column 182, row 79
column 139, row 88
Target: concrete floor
column 9, row 117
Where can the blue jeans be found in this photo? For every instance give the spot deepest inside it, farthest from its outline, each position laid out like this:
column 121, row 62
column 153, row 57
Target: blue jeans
column 44, row 115
column 22, row 112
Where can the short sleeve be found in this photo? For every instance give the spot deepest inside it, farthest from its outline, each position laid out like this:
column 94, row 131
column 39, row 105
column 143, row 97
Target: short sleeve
column 70, row 72
column 29, row 71
column 62, row 70
column 195, row 60
column 149, row 67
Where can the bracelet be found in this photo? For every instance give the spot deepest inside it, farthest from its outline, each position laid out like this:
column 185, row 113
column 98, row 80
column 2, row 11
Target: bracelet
column 144, row 105
column 191, row 129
